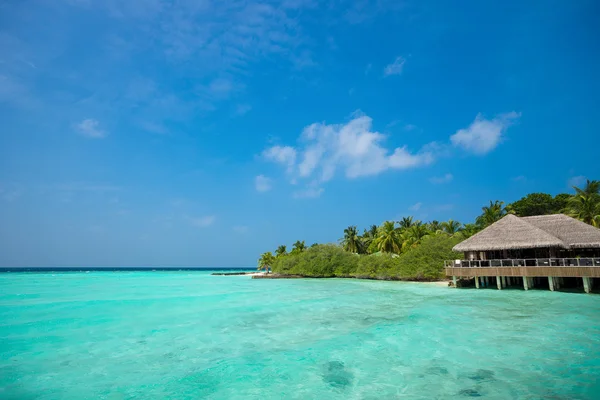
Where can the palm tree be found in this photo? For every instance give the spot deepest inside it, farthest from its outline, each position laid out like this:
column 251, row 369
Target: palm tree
column 412, row 236
column 585, row 204
column 281, row 251
column 469, row 230
column 451, row 227
column 389, row 239
column 265, row 261
column 492, row 213
column 405, row 222
column 434, row 226
column 373, row 231
column 368, row 237
column 299, row 247
column 352, row 241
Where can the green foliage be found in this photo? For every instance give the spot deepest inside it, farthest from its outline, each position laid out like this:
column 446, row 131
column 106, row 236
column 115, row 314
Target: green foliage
column 490, row 214
column 413, row 235
column 414, row 250
column 266, row 261
column 538, row 204
column 405, row 222
column 352, row 242
column 323, row 261
column 560, row 202
column 451, row 227
column 299, row 247
column 389, row 239
column 469, row 230
column 585, row 204
column 424, row 262
column 375, row 266
column 281, row 251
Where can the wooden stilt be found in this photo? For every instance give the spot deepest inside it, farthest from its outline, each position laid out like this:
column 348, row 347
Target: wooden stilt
column 587, row 284
column 551, row 283
column 499, row 282
column 477, row 282
column 525, row 283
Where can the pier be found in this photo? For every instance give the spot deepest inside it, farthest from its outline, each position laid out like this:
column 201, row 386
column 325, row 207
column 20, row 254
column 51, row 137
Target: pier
column 529, row 273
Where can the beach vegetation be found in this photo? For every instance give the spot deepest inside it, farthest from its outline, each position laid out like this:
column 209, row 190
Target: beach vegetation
column 266, row 261
column 410, row 249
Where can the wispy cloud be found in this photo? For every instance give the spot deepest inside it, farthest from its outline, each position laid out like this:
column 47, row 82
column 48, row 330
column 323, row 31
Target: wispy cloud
column 202, row 222
column 483, row 135
column 262, row 183
column 90, row 128
column 520, row 178
column 441, row 179
column 416, row 206
column 394, row 68
column 353, row 148
column 284, row 155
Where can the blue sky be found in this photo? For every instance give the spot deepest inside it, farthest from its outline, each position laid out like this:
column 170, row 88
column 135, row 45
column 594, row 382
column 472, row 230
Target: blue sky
column 154, row 132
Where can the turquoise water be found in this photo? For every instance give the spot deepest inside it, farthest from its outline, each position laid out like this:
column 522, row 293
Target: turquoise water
column 189, row 335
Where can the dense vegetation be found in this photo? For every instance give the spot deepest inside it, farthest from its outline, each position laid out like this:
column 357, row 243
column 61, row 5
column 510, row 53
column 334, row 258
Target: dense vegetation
column 413, row 250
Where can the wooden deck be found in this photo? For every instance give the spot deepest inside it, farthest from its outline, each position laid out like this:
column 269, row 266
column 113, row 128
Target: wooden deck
column 559, row 267
column 564, row 272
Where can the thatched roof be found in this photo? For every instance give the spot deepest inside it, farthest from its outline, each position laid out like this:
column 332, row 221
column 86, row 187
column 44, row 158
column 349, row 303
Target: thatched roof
column 513, row 232
column 572, row 232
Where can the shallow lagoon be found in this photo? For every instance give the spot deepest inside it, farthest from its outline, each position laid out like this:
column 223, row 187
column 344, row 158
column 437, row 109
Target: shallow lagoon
column 192, row 335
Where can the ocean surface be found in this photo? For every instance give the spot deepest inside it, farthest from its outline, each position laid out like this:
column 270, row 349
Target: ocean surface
column 190, row 335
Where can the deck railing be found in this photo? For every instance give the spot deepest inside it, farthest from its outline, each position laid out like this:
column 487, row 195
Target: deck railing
column 525, row 262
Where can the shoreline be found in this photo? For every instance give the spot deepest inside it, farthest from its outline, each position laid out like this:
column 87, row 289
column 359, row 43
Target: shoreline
column 262, row 275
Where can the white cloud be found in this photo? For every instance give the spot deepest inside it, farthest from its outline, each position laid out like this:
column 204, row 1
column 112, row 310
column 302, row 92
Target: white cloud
column 284, row 155
column 483, row 135
column 90, row 128
column 353, row 148
column 576, row 181
column 394, row 68
column 309, row 193
column 262, row 183
column 416, row 206
column 240, row 229
column 203, row 222
column 442, row 179
column 520, row 178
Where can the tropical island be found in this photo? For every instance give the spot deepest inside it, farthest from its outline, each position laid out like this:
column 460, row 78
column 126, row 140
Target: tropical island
column 413, row 250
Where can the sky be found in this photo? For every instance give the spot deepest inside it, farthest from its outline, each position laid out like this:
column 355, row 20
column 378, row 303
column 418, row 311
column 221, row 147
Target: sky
column 203, row 133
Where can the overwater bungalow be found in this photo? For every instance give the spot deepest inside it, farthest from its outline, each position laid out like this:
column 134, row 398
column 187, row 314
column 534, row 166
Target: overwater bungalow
column 550, row 251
